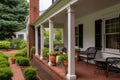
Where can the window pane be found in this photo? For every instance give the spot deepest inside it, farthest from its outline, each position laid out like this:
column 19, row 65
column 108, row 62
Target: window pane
column 20, row 36
column 112, row 41
column 112, row 30
column 107, row 22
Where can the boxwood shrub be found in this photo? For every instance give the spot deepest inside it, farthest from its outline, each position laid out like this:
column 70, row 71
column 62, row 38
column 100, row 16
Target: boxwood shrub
column 1, row 52
column 3, row 56
column 18, row 43
column 30, row 73
column 5, row 73
column 4, row 64
column 22, row 52
column 3, row 59
column 4, row 44
column 22, row 61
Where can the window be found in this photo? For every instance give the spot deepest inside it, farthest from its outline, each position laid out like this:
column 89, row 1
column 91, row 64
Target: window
column 20, row 36
column 112, row 33
column 79, row 36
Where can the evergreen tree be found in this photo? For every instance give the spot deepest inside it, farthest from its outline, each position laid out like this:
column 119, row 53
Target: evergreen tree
column 12, row 17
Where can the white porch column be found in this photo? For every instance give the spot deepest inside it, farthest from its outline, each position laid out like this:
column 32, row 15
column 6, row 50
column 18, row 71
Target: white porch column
column 42, row 40
column 36, row 41
column 71, row 45
column 51, row 37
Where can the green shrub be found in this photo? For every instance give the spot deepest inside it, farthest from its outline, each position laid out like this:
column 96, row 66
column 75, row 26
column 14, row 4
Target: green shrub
column 30, row 73
column 32, row 51
column 4, row 44
column 18, row 59
column 1, row 52
column 3, row 59
column 63, row 57
column 22, row 52
column 18, row 43
column 22, row 61
column 4, row 63
column 5, row 73
column 3, row 56
column 45, row 51
column 19, row 54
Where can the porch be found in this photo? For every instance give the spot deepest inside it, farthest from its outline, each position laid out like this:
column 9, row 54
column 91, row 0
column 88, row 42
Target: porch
column 84, row 23
column 83, row 71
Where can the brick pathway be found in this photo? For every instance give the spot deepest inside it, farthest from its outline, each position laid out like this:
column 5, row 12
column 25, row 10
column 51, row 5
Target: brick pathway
column 17, row 73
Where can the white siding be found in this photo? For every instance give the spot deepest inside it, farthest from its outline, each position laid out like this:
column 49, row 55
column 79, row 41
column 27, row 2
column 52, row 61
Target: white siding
column 89, row 23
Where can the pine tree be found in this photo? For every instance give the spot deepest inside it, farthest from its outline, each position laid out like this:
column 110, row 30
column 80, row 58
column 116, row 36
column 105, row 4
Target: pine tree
column 12, row 17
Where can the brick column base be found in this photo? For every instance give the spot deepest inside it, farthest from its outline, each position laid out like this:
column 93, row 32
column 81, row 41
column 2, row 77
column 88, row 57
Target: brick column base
column 30, row 40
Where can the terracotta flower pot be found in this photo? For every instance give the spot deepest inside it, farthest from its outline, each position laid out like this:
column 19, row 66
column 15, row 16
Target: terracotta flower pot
column 13, row 61
column 65, row 63
column 53, row 59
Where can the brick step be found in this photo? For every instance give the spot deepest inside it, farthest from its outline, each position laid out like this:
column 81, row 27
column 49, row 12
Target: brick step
column 44, row 71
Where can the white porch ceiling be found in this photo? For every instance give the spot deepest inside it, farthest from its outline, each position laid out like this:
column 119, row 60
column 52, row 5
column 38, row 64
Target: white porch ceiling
column 82, row 8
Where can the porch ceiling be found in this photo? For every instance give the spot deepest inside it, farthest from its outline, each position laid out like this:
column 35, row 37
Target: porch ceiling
column 82, row 8
column 85, row 7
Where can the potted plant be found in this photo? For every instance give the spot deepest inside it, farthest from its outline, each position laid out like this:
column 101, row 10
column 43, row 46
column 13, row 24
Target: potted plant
column 13, row 60
column 77, row 52
column 52, row 56
column 63, row 58
column 45, row 52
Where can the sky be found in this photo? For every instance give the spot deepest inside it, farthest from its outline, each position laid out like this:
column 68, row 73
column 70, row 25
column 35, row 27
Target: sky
column 44, row 4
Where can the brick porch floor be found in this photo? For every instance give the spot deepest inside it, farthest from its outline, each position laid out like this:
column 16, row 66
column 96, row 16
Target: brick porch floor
column 83, row 72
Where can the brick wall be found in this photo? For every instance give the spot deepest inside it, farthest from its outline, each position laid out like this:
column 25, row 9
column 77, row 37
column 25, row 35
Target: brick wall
column 33, row 14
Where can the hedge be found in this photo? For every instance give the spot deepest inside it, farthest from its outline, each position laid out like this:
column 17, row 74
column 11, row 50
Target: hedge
column 22, row 52
column 4, row 44
column 22, row 61
column 30, row 73
column 18, row 43
column 4, row 63
column 3, row 56
column 5, row 73
column 3, row 59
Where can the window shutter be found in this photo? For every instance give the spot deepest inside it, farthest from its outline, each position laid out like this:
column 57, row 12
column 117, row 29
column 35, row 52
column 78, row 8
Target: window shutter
column 81, row 35
column 98, row 34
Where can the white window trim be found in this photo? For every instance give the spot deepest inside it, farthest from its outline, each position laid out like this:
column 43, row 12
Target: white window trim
column 104, row 49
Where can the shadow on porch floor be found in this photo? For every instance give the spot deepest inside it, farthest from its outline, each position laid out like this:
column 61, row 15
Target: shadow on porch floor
column 83, row 71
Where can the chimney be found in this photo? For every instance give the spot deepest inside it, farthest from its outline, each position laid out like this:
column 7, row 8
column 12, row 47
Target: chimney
column 33, row 15
column 34, row 10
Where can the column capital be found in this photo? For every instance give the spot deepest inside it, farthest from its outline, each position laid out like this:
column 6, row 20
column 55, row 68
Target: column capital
column 70, row 9
column 36, row 28
column 51, row 20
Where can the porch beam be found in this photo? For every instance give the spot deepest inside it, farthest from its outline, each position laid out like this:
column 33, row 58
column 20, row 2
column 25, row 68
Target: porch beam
column 42, row 40
column 51, row 37
column 71, row 45
column 36, row 41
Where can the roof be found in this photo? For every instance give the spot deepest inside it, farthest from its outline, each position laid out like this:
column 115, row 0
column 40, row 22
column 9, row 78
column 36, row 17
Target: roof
column 23, row 30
